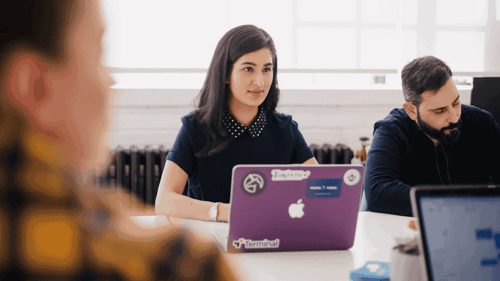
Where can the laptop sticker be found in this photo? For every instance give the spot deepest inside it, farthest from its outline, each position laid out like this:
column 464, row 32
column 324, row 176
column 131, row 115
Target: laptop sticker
column 352, row 177
column 253, row 183
column 256, row 244
column 324, row 188
column 289, row 175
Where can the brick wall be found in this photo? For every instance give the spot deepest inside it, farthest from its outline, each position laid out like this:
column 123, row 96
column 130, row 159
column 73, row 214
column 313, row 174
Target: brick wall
column 152, row 116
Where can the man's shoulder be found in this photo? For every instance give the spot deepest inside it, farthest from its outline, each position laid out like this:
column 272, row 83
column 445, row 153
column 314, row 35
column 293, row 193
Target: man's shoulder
column 475, row 114
column 476, row 122
column 397, row 120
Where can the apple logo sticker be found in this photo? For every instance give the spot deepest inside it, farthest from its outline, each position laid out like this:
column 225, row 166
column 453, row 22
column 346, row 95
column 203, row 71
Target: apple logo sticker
column 296, row 210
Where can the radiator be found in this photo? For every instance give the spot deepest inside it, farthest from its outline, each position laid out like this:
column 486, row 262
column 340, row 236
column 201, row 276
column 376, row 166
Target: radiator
column 328, row 154
column 135, row 170
column 139, row 170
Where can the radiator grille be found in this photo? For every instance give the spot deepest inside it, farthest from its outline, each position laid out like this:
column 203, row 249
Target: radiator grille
column 139, row 170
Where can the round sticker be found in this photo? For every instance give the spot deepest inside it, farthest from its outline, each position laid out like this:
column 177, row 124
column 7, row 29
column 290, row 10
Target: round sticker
column 253, row 183
column 352, row 177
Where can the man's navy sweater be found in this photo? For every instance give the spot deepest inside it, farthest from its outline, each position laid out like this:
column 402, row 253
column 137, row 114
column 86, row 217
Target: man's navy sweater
column 402, row 156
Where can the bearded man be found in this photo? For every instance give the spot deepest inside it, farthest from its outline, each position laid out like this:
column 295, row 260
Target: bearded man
column 432, row 140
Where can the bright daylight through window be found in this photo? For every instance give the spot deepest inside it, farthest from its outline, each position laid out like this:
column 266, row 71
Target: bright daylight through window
column 321, row 44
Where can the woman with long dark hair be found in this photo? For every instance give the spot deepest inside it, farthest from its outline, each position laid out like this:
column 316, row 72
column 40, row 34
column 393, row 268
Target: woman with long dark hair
column 235, row 122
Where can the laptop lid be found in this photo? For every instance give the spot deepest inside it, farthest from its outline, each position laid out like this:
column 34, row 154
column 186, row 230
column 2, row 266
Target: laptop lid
column 459, row 232
column 293, row 207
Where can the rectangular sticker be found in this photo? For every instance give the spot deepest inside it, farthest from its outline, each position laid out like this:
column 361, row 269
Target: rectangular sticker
column 324, row 188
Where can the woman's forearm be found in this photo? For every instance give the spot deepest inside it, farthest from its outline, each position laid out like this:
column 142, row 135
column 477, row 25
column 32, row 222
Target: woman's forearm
column 178, row 205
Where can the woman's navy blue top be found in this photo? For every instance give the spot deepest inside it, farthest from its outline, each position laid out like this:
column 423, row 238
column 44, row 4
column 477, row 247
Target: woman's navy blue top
column 278, row 142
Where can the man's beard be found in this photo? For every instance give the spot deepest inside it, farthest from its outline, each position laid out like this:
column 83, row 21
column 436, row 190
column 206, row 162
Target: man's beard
column 448, row 139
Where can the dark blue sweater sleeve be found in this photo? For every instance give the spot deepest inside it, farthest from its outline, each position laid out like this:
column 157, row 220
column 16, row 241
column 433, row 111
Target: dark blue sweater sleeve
column 384, row 192
column 301, row 151
column 182, row 152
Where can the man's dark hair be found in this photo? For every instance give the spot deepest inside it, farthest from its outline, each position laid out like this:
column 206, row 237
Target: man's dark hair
column 424, row 74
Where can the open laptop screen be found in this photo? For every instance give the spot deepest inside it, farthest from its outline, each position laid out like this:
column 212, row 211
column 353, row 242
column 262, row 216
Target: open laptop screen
column 461, row 233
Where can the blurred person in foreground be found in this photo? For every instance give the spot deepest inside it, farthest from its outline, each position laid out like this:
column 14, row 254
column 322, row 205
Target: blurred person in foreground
column 54, row 101
column 432, row 140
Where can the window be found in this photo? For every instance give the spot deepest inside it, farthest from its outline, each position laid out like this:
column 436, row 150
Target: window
column 314, row 38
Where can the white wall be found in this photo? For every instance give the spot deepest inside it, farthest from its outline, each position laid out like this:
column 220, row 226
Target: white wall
column 152, row 116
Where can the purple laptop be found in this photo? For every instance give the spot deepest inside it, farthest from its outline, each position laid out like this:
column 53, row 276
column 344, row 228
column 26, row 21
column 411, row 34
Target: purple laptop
column 293, row 207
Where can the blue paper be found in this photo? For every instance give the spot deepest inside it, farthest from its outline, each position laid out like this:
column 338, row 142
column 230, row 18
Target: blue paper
column 372, row 271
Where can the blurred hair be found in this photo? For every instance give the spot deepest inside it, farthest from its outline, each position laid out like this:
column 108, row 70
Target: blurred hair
column 424, row 74
column 34, row 24
column 213, row 97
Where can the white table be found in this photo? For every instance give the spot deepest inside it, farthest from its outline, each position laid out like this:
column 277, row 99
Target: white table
column 375, row 237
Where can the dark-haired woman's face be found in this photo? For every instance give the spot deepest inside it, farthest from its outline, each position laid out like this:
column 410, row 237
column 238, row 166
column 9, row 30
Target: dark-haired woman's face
column 251, row 79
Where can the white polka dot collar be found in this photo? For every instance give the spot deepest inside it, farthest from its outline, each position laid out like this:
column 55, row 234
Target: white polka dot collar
column 237, row 130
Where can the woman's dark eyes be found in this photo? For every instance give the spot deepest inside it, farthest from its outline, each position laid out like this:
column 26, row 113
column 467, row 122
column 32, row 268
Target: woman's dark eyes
column 250, row 69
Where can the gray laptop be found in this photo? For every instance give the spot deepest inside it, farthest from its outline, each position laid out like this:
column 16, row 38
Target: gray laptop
column 292, row 208
column 459, row 232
